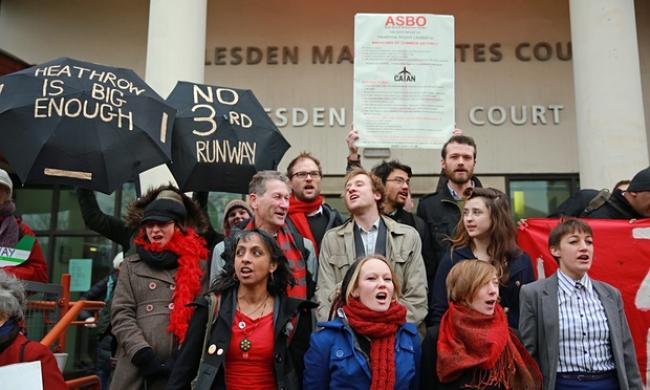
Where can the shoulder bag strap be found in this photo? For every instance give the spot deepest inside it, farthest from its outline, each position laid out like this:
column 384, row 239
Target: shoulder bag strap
column 213, row 308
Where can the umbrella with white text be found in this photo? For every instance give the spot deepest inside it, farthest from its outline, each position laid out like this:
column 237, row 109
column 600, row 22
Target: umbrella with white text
column 76, row 123
column 222, row 137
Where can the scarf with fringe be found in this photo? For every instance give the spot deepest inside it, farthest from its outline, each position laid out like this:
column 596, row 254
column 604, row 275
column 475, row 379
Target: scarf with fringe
column 380, row 328
column 471, row 340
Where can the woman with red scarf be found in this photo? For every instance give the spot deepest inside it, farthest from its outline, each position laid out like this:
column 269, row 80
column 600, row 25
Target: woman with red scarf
column 149, row 311
column 473, row 347
column 368, row 345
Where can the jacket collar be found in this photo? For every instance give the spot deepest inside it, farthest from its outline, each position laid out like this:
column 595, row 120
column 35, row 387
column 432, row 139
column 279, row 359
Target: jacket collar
column 393, row 227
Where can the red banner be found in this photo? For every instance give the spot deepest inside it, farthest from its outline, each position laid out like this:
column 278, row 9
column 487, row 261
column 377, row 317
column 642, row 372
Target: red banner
column 621, row 258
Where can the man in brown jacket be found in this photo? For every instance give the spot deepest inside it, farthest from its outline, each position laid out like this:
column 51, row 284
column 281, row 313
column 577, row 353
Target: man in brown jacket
column 367, row 233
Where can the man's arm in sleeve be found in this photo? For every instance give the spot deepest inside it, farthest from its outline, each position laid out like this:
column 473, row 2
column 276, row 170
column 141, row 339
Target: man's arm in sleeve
column 326, row 285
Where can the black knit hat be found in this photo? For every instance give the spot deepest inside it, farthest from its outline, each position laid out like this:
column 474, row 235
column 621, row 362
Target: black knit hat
column 640, row 182
column 168, row 206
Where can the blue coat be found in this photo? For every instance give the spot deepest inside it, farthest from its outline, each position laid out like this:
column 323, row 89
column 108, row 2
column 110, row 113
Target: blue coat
column 335, row 361
column 520, row 270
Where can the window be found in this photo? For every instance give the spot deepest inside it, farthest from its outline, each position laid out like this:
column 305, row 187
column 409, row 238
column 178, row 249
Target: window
column 538, row 196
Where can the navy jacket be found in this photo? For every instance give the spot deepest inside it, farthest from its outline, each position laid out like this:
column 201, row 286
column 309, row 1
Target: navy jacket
column 334, row 359
column 520, row 271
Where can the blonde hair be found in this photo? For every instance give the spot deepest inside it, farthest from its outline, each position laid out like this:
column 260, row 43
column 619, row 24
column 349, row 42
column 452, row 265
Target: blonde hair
column 466, row 278
column 351, row 281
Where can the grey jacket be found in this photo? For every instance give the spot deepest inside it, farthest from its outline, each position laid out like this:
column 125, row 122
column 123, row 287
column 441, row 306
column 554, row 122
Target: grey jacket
column 140, row 317
column 539, row 324
column 403, row 251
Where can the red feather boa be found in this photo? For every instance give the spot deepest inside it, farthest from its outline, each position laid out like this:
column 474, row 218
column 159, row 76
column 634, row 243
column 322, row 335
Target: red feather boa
column 190, row 249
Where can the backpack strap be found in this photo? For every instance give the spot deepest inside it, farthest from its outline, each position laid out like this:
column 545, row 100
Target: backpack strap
column 21, row 353
column 597, row 202
column 214, row 301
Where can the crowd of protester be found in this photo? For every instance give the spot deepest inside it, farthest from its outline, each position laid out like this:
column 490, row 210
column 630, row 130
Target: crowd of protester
column 293, row 296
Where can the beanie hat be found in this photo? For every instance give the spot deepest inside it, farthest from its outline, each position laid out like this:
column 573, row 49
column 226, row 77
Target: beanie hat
column 5, row 180
column 168, row 206
column 640, row 182
column 233, row 204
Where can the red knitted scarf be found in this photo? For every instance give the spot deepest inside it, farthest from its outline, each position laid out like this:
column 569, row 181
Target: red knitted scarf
column 298, row 210
column 471, row 340
column 190, row 249
column 381, row 328
column 297, row 265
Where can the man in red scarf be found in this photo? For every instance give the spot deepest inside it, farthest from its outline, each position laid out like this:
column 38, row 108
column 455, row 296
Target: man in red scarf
column 307, row 211
column 269, row 199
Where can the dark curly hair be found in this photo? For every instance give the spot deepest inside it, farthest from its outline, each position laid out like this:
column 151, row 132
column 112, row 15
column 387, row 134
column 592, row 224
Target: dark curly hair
column 282, row 277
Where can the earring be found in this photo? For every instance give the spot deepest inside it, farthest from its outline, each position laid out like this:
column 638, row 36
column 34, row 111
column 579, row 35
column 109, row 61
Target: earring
column 272, row 276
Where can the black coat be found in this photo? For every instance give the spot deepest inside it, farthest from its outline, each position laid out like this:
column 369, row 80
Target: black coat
column 428, row 375
column 430, row 260
column 441, row 213
column 287, row 365
column 616, row 207
column 520, row 272
column 107, row 225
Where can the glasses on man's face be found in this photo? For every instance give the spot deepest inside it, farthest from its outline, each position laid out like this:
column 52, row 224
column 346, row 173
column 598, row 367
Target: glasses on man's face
column 400, row 181
column 304, row 174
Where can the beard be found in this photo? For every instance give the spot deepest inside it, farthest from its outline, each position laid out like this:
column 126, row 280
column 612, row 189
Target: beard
column 460, row 177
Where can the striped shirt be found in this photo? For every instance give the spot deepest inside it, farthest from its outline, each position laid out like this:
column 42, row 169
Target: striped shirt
column 584, row 331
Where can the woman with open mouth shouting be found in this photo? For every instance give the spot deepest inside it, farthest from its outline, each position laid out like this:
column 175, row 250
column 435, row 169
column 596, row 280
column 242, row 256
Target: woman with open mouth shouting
column 473, row 347
column 368, row 344
column 246, row 333
column 485, row 232
column 149, row 311
column 575, row 326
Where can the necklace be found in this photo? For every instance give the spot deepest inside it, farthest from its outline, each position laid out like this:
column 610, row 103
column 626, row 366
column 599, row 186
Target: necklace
column 245, row 344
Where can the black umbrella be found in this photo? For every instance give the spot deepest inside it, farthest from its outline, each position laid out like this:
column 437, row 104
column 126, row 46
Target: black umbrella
column 76, row 123
column 222, row 136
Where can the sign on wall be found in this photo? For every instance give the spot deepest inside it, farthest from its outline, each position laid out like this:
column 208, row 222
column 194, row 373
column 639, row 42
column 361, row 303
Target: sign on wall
column 404, row 80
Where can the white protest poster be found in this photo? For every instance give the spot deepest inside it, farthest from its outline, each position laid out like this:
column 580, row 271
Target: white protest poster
column 403, row 80
column 22, row 376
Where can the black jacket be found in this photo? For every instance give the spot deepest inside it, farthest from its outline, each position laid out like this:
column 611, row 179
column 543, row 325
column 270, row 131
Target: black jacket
column 107, row 225
column 441, row 213
column 430, row 261
column 616, row 207
column 428, row 375
column 287, row 363
column 575, row 205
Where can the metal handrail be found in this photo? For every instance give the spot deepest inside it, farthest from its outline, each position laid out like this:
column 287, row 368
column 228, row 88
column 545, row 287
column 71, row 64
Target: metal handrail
column 90, row 380
column 68, row 314
column 68, row 318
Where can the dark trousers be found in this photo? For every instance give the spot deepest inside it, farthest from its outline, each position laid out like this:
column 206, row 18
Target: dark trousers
column 610, row 383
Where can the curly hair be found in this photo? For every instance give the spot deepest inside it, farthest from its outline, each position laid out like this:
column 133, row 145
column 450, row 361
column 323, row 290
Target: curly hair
column 502, row 231
column 275, row 285
column 12, row 296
